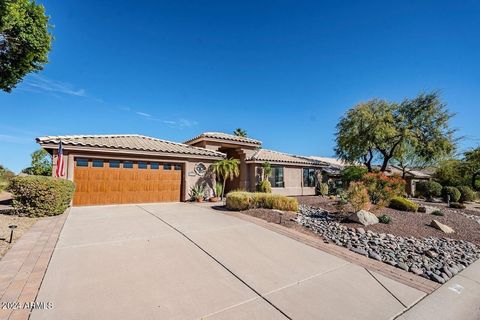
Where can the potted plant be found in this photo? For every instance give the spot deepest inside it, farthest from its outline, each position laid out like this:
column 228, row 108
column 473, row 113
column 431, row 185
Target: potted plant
column 197, row 193
column 218, row 192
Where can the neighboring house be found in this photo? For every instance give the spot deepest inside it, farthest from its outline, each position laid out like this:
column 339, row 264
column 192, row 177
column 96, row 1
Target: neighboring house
column 112, row 169
column 412, row 177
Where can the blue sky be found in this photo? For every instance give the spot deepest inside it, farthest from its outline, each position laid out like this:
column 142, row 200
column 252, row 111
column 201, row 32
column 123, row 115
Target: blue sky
column 285, row 71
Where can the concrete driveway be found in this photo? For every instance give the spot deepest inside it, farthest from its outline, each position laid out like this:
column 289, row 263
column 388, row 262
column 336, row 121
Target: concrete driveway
column 183, row 261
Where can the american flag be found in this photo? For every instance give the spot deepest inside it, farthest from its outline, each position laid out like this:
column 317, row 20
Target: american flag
column 60, row 162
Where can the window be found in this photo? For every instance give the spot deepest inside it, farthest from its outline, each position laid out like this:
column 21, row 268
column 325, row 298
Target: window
column 96, row 163
column 178, row 167
column 142, row 165
column 154, row 165
column 82, row 163
column 114, row 163
column 128, row 164
column 309, row 177
column 167, row 166
column 276, row 178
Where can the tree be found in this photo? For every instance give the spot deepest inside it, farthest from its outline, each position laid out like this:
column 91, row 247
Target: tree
column 267, row 170
column 472, row 167
column 24, row 40
column 41, row 164
column 226, row 169
column 377, row 129
column 239, row 132
column 406, row 157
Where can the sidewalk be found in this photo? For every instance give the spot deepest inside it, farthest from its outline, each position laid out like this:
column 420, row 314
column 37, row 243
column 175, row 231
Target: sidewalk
column 458, row 299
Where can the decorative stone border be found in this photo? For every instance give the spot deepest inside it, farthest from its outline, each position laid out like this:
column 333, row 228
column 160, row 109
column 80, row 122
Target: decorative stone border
column 23, row 267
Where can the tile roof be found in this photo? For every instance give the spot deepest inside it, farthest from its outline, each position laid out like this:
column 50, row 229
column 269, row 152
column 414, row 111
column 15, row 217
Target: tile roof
column 129, row 142
column 331, row 161
column 225, row 136
column 275, row 156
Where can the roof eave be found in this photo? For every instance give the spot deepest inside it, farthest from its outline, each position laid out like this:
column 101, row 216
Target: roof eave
column 69, row 147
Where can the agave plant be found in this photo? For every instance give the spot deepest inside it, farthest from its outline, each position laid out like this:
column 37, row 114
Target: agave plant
column 197, row 192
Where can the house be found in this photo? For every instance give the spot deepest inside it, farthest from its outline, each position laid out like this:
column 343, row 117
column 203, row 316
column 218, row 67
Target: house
column 113, row 169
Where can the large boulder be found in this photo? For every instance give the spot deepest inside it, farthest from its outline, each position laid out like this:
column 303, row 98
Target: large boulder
column 364, row 217
column 444, row 228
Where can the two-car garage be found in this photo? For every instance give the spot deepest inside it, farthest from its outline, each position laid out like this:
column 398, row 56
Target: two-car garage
column 100, row 181
column 122, row 169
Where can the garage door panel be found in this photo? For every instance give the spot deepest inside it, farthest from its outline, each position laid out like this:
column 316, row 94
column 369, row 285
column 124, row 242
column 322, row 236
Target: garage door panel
column 105, row 185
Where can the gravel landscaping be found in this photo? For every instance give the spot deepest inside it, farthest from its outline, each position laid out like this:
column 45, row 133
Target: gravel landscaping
column 22, row 223
column 435, row 258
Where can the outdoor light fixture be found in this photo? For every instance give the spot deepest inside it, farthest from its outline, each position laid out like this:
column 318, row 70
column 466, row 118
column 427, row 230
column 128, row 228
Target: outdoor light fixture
column 12, row 227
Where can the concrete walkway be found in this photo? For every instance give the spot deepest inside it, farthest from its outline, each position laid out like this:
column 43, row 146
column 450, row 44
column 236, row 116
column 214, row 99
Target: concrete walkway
column 458, row 299
column 180, row 261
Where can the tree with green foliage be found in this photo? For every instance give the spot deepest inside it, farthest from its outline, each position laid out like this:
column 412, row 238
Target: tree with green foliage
column 353, row 173
column 377, row 129
column 25, row 40
column 41, row 164
column 472, row 167
column 5, row 176
column 226, row 169
column 239, row 132
column 450, row 173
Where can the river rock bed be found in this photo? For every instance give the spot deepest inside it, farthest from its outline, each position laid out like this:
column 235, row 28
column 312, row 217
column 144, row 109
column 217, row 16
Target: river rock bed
column 437, row 259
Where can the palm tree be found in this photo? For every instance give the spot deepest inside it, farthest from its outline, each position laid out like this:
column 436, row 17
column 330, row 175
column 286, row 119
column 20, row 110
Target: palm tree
column 267, row 170
column 226, row 169
column 239, row 132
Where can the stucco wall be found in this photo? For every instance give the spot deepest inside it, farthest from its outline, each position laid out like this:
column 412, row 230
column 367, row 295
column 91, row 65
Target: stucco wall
column 293, row 181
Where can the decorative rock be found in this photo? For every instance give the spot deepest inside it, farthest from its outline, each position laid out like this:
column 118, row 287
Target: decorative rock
column 359, row 251
column 364, row 217
column 417, row 271
column 361, row 230
column 375, row 256
column 443, row 227
column 434, row 258
column 403, row 266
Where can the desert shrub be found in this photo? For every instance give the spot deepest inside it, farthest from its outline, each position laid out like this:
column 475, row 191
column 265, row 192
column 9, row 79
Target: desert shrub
column 357, row 196
column 323, row 188
column 466, row 194
column 265, row 186
column 429, row 189
column 38, row 196
column 438, row 213
column 457, row 205
column 382, row 188
column 422, row 209
column 384, row 219
column 353, row 173
column 402, row 204
column 453, row 192
column 249, row 200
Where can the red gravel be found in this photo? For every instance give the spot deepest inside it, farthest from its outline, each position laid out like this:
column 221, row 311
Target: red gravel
column 409, row 224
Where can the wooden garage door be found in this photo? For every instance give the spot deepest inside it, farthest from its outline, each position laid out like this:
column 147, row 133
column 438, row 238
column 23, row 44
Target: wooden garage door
column 114, row 182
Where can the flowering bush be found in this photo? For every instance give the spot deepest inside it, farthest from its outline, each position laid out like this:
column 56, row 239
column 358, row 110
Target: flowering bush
column 358, row 197
column 382, row 188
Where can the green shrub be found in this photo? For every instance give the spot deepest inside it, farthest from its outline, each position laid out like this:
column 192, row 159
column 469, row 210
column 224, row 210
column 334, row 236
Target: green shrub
column 353, row 173
column 265, row 186
column 323, row 189
column 38, row 196
column 382, row 188
column 429, row 189
column 466, row 194
column 249, row 200
column 218, row 189
column 438, row 213
column 357, row 196
column 457, row 205
column 384, row 219
column 453, row 192
column 3, row 185
column 403, row 204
